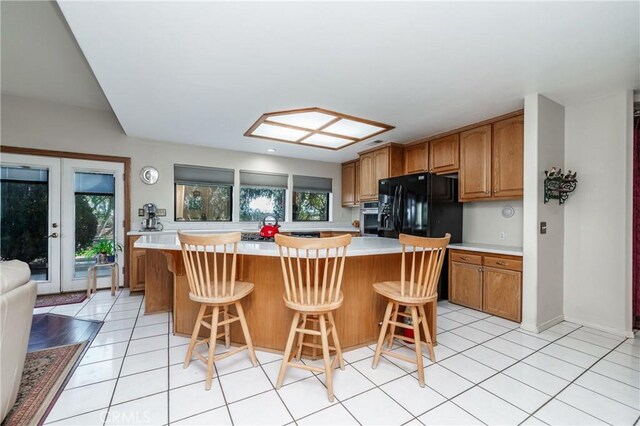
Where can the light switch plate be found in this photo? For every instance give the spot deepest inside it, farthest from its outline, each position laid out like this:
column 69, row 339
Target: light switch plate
column 543, row 228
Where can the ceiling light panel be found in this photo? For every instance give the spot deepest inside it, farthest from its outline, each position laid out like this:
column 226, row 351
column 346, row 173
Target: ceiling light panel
column 309, row 120
column 315, row 127
column 355, row 129
column 326, row 141
column 278, row 132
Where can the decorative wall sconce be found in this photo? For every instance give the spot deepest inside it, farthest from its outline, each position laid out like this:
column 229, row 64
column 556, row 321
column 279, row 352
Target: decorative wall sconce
column 558, row 186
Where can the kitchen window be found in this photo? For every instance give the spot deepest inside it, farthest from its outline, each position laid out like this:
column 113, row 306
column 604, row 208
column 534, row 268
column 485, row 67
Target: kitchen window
column 203, row 194
column 311, row 198
column 262, row 194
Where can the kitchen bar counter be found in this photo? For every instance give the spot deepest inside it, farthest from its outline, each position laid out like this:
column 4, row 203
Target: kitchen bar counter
column 369, row 260
column 488, row 248
column 283, row 228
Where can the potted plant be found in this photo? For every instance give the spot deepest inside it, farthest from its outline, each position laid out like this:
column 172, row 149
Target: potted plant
column 104, row 250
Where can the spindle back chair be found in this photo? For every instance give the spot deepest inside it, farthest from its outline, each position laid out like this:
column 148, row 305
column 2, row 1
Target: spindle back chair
column 210, row 264
column 423, row 259
column 312, row 271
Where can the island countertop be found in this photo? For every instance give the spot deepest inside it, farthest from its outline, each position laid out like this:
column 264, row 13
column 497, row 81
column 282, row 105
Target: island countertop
column 361, row 246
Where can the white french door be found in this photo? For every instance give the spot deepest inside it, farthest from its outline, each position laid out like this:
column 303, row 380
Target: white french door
column 54, row 210
column 30, row 216
column 92, row 193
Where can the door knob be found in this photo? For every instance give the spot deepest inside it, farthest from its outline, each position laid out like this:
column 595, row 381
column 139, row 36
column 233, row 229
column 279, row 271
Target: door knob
column 54, row 225
column 54, row 235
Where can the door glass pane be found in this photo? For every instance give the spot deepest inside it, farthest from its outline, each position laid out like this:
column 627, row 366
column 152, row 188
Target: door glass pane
column 24, row 217
column 95, row 216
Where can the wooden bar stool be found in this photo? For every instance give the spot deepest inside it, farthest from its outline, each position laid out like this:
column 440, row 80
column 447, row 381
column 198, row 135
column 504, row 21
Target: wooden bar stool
column 312, row 269
column 215, row 288
column 413, row 294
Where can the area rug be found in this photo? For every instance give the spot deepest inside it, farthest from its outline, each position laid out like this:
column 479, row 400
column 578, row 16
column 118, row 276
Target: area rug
column 43, row 376
column 60, row 299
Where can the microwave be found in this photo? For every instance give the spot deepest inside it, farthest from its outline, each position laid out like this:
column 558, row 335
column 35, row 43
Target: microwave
column 369, row 219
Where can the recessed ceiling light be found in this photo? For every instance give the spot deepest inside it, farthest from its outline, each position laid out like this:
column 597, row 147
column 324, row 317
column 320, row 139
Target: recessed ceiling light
column 271, row 150
column 315, row 127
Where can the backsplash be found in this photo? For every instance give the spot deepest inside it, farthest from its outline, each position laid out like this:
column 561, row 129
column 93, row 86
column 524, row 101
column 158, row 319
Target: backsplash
column 483, row 222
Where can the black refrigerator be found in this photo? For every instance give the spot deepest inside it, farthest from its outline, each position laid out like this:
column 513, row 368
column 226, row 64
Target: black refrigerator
column 423, row 204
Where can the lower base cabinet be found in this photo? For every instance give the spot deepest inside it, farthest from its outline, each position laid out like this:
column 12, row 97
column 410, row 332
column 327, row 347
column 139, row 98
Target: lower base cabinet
column 489, row 283
column 137, row 266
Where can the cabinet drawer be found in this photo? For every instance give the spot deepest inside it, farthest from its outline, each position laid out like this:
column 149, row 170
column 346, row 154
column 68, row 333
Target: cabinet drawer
column 466, row 258
column 499, row 262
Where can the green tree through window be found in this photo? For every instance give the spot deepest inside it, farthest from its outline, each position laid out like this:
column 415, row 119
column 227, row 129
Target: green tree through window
column 256, row 203
column 310, row 206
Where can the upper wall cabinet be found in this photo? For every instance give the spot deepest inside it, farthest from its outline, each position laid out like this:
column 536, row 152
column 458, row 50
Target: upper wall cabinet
column 444, row 154
column 508, row 157
column 379, row 164
column 349, row 184
column 416, row 158
column 491, row 161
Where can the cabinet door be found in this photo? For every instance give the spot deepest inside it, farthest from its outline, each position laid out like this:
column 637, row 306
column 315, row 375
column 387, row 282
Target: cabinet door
column 356, row 194
column 444, row 154
column 508, row 157
column 381, row 161
column 465, row 285
column 416, row 159
column 348, row 184
column 502, row 293
column 138, row 266
column 475, row 164
column 367, row 176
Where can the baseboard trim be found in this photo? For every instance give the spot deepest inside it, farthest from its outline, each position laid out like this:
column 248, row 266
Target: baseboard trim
column 615, row 331
column 532, row 328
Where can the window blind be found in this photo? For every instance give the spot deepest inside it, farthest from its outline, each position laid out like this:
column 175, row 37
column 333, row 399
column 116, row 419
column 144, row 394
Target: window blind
column 263, row 179
column 312, row 184
column 183, row 174
column 24, row 174
column 94, row 183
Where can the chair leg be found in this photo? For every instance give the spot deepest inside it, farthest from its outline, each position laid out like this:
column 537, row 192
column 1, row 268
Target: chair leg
column 194, row 336
column 383, row 332
column 247, row 335
column 287, row 350
column 227, row 335
column 113, row 280
column 336, row 341
column 392, row 327
column 89, row 282
column 418, row 345
column 328, row 371
column 301, row 337
column 427, row 334
column 212, row 345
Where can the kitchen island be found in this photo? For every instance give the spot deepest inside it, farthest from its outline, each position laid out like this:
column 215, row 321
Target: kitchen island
column 369, row 260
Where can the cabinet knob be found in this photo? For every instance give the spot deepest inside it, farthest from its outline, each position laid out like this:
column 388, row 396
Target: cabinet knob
column 480, row 269
column 501, row 263
column 486, row 192
column 495, row 191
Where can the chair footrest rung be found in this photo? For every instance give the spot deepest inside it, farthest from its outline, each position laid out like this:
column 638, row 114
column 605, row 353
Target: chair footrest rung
column 317, row 346
column 305, row 367
column 305, row 331
column 231, row 320
column 229, row 353
column 398, row 356
column 400, row 324
column 404, row 314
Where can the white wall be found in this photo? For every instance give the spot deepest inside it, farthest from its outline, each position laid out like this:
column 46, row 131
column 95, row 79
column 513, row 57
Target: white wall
column 37, row 124
column 483, row 222
column 598, row 230
column 543, row 254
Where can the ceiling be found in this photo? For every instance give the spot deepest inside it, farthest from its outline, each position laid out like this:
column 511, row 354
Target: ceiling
column 203, row 72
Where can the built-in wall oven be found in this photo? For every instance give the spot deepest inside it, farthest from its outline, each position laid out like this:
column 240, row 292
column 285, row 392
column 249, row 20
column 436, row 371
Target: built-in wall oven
column 369, row 219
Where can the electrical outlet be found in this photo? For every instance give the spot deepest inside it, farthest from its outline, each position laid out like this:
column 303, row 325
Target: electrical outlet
column 502, row 236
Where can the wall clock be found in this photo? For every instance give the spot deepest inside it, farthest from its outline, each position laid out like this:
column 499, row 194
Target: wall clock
column 149, row 175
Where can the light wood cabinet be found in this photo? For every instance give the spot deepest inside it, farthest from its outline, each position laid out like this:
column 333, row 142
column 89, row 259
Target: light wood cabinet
column 508, row 158
column 492, row 161
column 137, row 266
column 367, row 177
column 416, row 159
column 349, row 184
column 356, row 194
column 488, row 282
column 475, row 164
column 467, row 290
column 444, row 154
column 502, row 293
column 377, row 164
